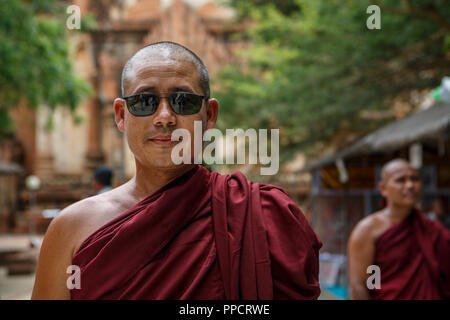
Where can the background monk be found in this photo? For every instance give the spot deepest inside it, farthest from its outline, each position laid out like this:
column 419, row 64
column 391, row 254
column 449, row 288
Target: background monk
column 411, row 251
column 177, row 231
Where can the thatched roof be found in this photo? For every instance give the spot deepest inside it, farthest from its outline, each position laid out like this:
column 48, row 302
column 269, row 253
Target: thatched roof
column 427, row 124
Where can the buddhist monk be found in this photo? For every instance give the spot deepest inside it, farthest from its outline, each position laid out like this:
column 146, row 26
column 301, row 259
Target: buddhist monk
column 176, row 231
column 410, row 251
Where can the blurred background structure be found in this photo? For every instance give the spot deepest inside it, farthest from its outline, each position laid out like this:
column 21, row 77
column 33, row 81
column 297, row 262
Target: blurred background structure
column 345, row 98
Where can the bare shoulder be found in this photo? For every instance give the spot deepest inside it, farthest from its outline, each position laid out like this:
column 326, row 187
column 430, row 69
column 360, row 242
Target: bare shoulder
column 56, row 253
column 79, row 220
column 369, row 228
column 68, row 225
column 64, row 236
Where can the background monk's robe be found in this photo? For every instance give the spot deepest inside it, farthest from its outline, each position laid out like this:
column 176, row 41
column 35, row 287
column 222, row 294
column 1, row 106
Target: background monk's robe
column 203, row 236
column 414, row 260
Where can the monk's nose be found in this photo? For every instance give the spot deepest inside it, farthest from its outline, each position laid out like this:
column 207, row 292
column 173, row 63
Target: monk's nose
column 409, row 184
column 164, row 115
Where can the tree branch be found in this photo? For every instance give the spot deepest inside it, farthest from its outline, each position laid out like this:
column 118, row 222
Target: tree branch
column 430, row 11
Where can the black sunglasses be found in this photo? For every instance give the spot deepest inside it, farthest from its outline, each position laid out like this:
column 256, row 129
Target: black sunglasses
column 146, row 104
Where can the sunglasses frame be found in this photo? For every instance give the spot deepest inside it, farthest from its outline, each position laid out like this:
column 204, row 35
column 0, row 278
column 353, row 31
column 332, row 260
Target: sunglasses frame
column 160, row 97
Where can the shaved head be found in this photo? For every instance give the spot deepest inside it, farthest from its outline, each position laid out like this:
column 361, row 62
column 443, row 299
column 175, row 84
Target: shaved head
column 391, row 167
column 400, row 184
column 169, row 51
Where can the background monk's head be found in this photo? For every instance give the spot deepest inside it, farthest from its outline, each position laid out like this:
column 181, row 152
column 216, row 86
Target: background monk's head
column 162, row 69
column 400, row 184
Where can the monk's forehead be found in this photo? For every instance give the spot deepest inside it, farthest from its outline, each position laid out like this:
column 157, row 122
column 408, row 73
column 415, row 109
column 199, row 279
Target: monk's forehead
column 162, row 52
column 161, row 56
column 159, row 68
column 397, row 168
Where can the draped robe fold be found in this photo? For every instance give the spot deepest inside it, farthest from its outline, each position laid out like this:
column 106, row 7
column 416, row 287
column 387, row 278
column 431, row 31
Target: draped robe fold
column 414, row 260
column 203, row 236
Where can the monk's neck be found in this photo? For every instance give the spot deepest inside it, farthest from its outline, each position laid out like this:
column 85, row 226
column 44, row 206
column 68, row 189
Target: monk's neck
column 397, row 213
column 148, row 179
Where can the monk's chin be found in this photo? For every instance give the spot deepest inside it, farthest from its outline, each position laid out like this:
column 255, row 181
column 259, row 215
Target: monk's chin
column 165, row 164
column 409, row 203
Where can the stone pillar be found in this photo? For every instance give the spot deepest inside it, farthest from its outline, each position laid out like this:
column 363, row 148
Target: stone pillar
column 25, row 122
column 94, row 154
column 44, row 144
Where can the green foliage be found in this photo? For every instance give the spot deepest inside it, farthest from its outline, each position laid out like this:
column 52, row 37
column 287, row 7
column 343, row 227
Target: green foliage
column 34, row 55
column 311, row 71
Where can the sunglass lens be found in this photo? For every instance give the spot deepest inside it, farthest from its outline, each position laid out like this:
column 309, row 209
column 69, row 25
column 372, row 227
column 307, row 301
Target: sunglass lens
column 186, row 103
column 143, row 104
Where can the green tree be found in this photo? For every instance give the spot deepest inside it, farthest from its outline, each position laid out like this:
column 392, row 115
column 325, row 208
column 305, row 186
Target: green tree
column 312, row 70
column 34, row 54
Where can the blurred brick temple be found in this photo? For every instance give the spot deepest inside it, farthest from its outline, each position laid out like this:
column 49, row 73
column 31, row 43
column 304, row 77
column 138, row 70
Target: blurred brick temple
column 64, row 157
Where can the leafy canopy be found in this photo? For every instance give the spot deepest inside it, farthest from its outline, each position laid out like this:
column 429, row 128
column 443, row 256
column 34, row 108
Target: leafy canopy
column 313, row 66
column 34, row 52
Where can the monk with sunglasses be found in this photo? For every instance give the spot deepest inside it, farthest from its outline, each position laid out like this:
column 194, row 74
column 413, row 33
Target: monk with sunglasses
column 177, row 231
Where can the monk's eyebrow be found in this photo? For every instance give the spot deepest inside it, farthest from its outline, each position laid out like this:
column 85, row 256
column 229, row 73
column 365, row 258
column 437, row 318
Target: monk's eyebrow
column 153, row 89
column 182, row 89
column 145, row 89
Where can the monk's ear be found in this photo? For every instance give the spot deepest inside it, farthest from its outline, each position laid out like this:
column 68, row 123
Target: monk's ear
column 119, row 113
column 212, row 111
column 382, row 188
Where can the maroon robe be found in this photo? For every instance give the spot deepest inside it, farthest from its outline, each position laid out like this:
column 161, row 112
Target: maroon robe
column 203, row 236
column 414, row 260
